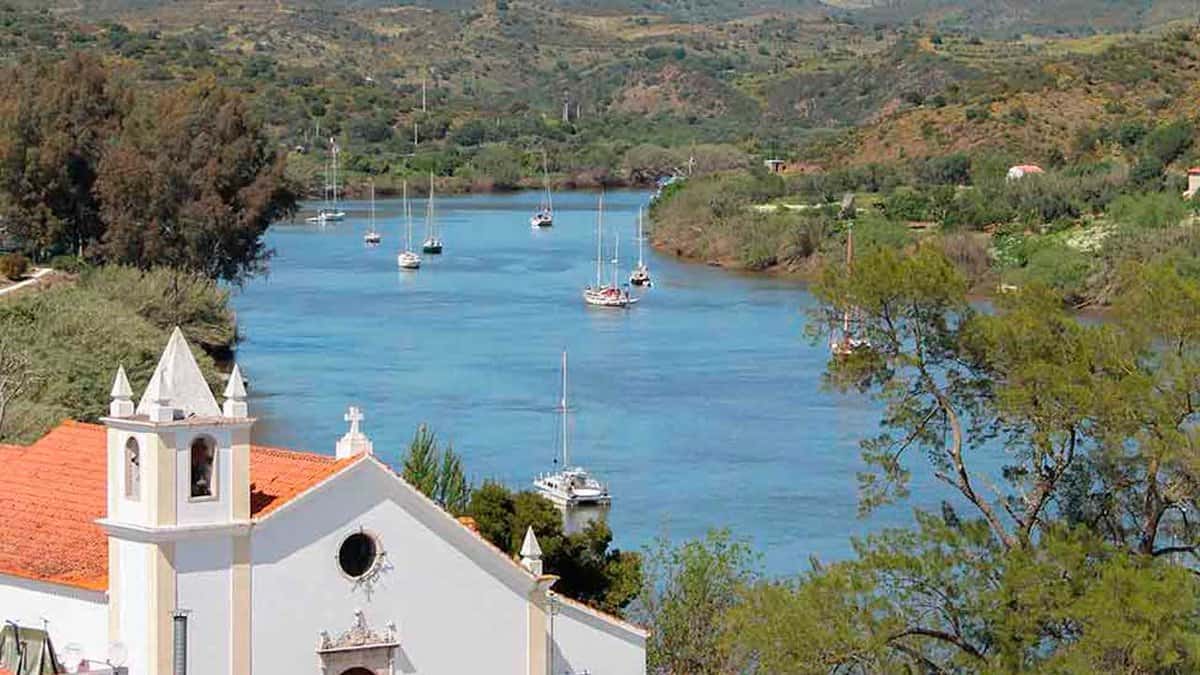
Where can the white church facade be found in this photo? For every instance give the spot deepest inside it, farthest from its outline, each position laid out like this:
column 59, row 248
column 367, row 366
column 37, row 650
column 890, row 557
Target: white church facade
column 164, row 539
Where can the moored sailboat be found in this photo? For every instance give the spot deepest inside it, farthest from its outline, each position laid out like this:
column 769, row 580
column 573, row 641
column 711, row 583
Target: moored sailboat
column 847, row 342
column 641, row 274
column 605, row 294
column 544, row 216
column 408, row 259
column 330, row 212
column 433, row 243
column 372, row 236
column 570, row 485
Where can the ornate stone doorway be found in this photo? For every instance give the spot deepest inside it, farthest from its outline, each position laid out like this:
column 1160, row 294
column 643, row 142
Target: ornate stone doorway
column 359, row 650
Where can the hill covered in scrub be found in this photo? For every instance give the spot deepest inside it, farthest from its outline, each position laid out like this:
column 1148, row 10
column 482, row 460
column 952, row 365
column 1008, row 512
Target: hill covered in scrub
column 482, row 87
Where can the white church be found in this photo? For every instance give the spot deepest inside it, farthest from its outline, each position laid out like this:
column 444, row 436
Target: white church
column 164, row 541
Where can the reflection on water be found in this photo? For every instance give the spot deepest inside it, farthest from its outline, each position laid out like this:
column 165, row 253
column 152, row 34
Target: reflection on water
column 576, row 518
column 700, row 407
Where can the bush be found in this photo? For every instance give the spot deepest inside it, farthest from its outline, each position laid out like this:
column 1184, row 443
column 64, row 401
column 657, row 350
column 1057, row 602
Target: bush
column 68, row 263
column 14, row 266
column 1154, row 210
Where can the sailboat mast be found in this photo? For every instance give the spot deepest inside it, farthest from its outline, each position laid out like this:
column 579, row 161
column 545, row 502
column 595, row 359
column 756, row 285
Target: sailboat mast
column 849, row 269
column 546, row 183
column 334, row 185
column 616, row 257
column 429, row 210
column 407, row 219
column 563, row 408
column 372, row 207
column 641, row 262
column 599, row 238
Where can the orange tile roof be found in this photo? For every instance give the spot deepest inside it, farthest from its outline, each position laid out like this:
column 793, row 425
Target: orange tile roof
column 52, row 492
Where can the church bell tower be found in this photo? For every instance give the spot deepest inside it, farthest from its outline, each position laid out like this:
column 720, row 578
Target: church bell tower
column 178, row 517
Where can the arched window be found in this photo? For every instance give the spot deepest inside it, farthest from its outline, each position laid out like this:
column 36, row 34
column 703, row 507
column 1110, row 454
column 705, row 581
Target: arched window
column 133, row 470
column 204, row 459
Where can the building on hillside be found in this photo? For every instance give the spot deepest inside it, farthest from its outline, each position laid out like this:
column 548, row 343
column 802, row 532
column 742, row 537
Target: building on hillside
column 1022, row 170
column 781, row 166
column 1193, row 182
column 166, row 530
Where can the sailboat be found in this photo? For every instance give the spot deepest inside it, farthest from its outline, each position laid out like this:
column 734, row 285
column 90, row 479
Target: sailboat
column 372, row 237
column 641, row 274
column 330, row 212
column 847, row 343
column 571, row 485
column 407, row 259
column 544, row 217
column 605, row 294
column 433, row 243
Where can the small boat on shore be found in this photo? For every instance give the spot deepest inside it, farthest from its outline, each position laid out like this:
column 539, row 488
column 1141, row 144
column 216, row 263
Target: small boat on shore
column 570, row 486
column 372, row 236
column 433, row 242
column 641, row 274
column 408, row 259
column 605, row 293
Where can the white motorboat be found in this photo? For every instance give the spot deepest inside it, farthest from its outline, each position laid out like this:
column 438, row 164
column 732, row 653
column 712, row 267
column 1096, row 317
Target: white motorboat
column 408, row 259
column 570, row 486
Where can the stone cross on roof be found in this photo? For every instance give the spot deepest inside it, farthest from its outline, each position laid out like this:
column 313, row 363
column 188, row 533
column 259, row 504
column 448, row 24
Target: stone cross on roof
column 355, row 441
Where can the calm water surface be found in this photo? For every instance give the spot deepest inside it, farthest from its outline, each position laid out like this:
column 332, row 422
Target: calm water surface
column 701, row 407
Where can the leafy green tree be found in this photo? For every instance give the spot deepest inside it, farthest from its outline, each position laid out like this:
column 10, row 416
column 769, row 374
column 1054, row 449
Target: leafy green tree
column 56, row 121
column 436, row 472
column 589, row 570
column 686, row 594
column 193, row 182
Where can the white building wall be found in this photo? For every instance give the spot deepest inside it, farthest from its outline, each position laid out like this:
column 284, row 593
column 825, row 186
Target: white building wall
column 582, row 641
column 131, row 583
column 204, row 588
column 452, row 615
column 72, row 615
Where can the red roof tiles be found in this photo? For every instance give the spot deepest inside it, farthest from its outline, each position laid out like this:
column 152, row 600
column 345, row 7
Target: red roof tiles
column 52, row 492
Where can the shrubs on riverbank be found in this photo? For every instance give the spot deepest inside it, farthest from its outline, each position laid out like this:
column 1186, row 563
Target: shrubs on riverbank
column 1072, row 229
column 60, row 348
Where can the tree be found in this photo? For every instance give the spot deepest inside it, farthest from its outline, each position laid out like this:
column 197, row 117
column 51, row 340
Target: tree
column 436, row 472
column 687, row 591
column 16, row 375
column 192, row 182
column 588, row 569
column 55, row 122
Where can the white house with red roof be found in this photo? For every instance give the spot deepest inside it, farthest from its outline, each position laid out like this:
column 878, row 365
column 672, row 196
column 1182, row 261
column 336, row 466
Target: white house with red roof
column 165, row 536
column 1022, row 170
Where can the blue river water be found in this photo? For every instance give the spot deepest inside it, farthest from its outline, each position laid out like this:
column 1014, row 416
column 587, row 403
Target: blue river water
column 701, row 406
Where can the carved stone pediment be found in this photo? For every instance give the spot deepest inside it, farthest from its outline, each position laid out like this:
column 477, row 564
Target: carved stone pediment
column 358, row 636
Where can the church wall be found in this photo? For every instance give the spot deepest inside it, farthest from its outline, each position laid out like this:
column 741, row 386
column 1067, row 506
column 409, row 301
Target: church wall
column 204, row 589
column 133, row 588
column 581, row 641
column 73, row 615
column 451, row 614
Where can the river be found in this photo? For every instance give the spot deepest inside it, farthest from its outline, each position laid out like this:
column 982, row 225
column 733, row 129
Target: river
column 702, row 406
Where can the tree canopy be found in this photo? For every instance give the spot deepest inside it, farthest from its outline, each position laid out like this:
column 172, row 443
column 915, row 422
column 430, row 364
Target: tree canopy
column 185, row 177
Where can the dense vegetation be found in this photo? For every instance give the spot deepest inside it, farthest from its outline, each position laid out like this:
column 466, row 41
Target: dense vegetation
column 1071, row 228
column 59, row 348
column 182, row 178
column 1079, row 557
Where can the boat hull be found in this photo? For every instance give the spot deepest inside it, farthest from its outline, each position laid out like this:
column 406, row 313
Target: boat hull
column 408, row 261
column 609, row 298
